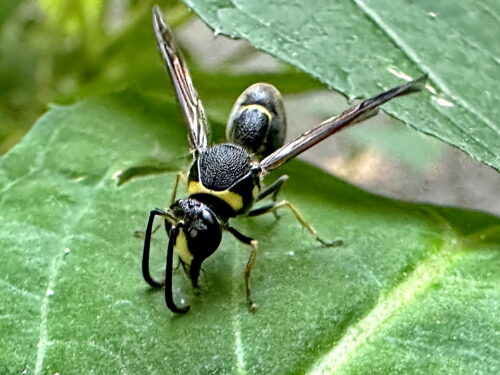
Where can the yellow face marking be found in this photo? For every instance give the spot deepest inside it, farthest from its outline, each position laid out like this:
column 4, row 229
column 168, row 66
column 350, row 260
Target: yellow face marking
column 232, row 199
column 260, row 108
column 172, row 221
column 181, row 248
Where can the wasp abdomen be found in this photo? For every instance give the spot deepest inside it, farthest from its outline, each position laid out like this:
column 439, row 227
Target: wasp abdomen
column 257, row 121
column 251, row 126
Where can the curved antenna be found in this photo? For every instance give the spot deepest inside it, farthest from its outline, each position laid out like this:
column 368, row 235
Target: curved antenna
column 191, row 105
column 169, row 299
column 353, row 115
column 147, row 243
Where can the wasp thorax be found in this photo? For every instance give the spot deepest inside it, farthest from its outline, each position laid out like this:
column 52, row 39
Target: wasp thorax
column 223, row 165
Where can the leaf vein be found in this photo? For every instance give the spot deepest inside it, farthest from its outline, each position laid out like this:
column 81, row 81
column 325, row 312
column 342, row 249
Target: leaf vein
column 67, row 231
column 23, row 292
column 412, row 55
column 43, row 335
column 295, row 42
column 488, row 10
column 238, row 345
column 39, row 161
column 425, row 274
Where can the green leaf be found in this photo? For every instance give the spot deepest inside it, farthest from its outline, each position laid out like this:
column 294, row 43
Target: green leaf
column 60, row 51
column 415, row 289
column 71, row 50
column 6, row 10
column 359, row 47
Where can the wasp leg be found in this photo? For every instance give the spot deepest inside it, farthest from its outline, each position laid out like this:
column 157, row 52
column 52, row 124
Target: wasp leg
column 180, row 175
column 284, row 203
column 181, row 263
column 194, row 272
column 142, row 234
column 250, row 264
column 190, row 274
column 273, row 190
column 147, row 243
column 186, row 268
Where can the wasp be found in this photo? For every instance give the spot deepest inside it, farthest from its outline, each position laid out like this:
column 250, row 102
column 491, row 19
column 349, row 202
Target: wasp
column 226, row 180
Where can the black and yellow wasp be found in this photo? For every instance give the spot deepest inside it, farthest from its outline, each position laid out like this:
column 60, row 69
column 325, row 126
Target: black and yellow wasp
column 225, row 180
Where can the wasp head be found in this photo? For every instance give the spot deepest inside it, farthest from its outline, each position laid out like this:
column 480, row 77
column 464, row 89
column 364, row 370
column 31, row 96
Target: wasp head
column 198, row 236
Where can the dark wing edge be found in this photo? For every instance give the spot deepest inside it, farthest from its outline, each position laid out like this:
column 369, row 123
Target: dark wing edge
column 353, row 115
column 191, row 105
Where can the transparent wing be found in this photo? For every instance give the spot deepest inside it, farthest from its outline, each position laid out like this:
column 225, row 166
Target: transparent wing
column 353, row 115
column 192, row 108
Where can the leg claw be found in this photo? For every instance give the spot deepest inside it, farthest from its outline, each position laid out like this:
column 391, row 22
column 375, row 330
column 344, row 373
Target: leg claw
column 331, row 243
column 252, row 307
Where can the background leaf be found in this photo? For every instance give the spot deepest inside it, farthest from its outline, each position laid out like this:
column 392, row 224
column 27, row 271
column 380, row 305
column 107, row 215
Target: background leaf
column 359, row 47
column 415, row 289
column 60, row 52
column 52, row 51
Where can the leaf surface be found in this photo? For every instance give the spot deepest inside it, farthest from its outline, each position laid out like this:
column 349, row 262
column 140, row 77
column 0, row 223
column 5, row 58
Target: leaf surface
column 360, row 47
column 414, row 289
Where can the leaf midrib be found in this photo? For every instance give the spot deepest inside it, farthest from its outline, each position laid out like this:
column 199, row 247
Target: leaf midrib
column 427, row 273
column 411, row 54
column 55, row 268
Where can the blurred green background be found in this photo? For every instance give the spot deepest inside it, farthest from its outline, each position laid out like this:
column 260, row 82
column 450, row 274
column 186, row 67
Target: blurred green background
column 61, row 51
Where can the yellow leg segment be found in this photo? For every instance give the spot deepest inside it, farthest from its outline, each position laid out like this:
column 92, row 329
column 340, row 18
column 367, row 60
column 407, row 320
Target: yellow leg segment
column 284, row 203
column 179, row 176
column 305, row 224
column 248, row 273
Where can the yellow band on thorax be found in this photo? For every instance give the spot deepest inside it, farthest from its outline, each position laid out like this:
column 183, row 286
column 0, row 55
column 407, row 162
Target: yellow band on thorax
column 232, row 199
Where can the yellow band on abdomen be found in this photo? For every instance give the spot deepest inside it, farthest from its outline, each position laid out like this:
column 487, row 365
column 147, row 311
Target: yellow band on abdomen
column 260, row 108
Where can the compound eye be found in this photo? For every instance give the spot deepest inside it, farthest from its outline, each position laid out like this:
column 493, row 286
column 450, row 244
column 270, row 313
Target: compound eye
column 208, row 217
column 203, row 234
